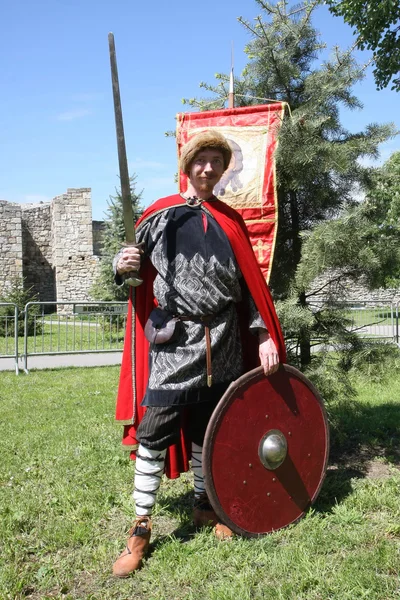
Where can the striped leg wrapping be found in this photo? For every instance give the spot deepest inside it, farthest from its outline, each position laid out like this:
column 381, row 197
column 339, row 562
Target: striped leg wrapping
column 148, row 473
column 197, row 468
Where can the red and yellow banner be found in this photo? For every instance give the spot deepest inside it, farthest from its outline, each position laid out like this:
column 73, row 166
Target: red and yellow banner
column 249, row 184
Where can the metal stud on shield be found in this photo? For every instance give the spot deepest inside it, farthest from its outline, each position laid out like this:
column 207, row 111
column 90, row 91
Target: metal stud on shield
column 265, row 451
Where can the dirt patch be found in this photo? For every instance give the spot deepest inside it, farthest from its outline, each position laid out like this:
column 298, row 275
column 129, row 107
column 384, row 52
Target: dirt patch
column 376, row 469
column 365, row 462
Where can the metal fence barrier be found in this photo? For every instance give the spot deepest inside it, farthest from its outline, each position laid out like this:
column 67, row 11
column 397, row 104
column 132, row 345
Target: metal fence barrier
column 73, row 328
column 51, row 328
column 372, row 320
column 9, row 332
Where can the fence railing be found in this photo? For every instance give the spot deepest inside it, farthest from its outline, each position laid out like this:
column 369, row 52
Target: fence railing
column 73, row 328
column 372, row 320
column 9, row 332
column 55, row 328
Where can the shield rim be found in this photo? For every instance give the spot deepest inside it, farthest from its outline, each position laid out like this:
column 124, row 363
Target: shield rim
column 216, row 418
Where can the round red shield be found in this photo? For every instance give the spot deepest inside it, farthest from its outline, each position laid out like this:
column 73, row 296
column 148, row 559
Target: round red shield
column 265, row 451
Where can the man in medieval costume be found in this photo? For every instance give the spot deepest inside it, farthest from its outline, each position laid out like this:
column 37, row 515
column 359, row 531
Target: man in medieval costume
column 202, row 317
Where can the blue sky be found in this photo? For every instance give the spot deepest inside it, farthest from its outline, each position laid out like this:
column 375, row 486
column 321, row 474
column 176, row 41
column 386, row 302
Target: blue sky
column 56, row 112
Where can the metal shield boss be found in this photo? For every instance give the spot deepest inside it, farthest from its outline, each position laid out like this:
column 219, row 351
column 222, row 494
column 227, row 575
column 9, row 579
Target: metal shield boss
column 265, row 451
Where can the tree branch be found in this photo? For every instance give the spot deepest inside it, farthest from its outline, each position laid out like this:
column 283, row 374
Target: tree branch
column 331, row 281
column 247, row 25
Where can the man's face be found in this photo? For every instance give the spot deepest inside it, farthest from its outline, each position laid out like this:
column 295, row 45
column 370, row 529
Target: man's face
column 206, row 170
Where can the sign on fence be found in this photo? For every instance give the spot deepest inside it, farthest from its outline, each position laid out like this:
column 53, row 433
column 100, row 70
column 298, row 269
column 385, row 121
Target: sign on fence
column 103, row 309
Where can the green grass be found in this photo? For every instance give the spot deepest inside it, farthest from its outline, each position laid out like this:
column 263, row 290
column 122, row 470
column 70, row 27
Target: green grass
column 65, row 506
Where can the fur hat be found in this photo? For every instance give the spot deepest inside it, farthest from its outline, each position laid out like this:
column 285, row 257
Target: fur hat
column 202, row 141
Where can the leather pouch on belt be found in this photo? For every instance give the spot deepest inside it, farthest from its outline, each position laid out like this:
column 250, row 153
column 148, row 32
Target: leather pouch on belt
column 160, row 326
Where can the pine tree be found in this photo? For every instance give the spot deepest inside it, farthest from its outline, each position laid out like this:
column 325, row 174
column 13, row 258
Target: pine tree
column 318, row 164
column 19, row 294
column 104, row 287
column 363, row 242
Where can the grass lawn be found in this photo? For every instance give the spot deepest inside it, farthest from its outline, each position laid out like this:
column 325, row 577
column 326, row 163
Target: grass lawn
column 65, row 506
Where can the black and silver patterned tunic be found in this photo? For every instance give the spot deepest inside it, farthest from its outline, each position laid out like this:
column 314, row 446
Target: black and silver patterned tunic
column 197, row 275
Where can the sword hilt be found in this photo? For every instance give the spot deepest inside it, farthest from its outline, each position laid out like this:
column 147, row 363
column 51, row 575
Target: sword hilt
column 132, row 277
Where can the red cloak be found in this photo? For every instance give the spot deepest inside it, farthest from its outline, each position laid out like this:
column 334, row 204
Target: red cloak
column 134, row 368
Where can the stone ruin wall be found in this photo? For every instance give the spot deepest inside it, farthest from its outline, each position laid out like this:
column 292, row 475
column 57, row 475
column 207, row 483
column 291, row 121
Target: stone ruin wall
column 37, row 267
column 72, row 244
column 10, row 244
column 98, row 228
column 345, row 289
column 51, row 246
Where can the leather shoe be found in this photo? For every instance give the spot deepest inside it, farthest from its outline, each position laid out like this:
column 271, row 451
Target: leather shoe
column 222, row 532
column 205, row 516
column 131, row 558
column 203, row 513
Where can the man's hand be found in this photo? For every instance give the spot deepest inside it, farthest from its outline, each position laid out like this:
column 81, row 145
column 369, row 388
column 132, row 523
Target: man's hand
column 268, row 353
column 129, row 260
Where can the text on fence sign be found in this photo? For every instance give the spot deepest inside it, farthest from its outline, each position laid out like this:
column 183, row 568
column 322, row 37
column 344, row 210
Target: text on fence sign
column 117, row 309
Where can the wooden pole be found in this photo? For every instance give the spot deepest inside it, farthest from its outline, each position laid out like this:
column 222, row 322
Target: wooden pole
column 231, row 97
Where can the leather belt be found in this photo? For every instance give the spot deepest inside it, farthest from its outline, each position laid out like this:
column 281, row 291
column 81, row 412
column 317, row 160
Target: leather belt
column 206, row 320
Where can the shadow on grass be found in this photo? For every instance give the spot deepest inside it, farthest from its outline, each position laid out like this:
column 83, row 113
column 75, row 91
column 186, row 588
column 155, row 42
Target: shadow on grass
column 361, row 433
column 362, row 438
column 179, row 508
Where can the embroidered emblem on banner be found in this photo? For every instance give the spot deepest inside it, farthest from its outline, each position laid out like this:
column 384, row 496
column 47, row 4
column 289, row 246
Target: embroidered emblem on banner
column 249, row 184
